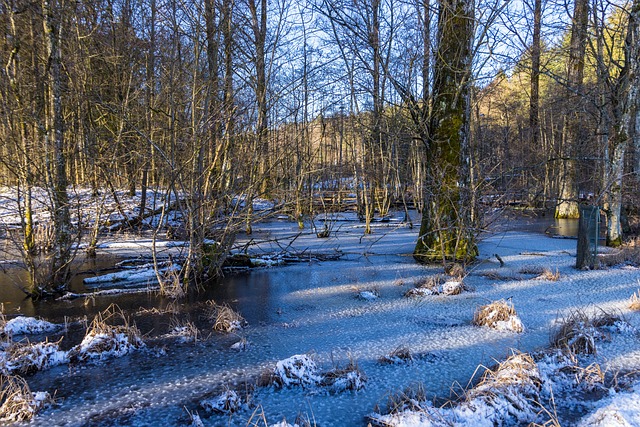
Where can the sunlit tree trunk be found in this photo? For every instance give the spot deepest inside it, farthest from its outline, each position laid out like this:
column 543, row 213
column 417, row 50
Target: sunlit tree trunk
column 445, row 231
column 54, row 138
column 567, row 206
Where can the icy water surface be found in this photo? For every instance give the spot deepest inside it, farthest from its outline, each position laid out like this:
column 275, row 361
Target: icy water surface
column 312, row 307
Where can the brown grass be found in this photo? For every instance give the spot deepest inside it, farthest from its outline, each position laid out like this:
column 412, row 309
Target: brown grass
column 109, row 324
column 455, row 270
column 17, row 402
column 26, row 358
column 628, row 253
column 224, row 318
column 498, row 315
column 519, row 370
column 408, row 399
column 343, row 378
column 577, row 334
column 185, row 330
column 401, row 354
column 634, row 304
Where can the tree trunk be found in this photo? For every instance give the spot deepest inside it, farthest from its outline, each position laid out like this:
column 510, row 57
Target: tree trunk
column 567, row 206
column 445, row 232
column 59, row 274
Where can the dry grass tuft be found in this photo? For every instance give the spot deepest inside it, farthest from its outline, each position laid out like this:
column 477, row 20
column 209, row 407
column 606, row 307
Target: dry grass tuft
column 17, row 402
column 410, row 399
column 226, row 402
column 109, row 334
column 576, row 334
column 519, row 371
column 590, row 378
column 184, row 330
column 634, row 304
column 224, row 318
column 26, row 358
column 500, row 315
column 455, row 270
column 5, row 337
column 343, row 378
column 401, row 354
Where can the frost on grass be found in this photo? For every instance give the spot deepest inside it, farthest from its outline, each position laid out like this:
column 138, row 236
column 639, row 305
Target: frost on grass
column 27, row 358
column 348, row 377
column 400, row 355
column 299, row 370
column 17, row 402
column 109, row 335
column 500, row 315
column 437, row 285
column 184, row 331
column 28, row 325
column 505, row 396
column 227, row 402
column 224, row 318
column 579, row 332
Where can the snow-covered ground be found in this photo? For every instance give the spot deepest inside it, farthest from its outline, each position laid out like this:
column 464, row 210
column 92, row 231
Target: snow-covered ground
column 317, row 308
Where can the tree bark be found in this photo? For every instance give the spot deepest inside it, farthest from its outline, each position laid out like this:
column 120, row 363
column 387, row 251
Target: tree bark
column 445, row 232
column 59, row 274
column 567, row 206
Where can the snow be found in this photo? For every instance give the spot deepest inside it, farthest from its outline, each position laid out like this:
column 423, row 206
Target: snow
column 23, row 325
column 320, row 316
column 29, row 358
column 299, row 369
column 620, row 410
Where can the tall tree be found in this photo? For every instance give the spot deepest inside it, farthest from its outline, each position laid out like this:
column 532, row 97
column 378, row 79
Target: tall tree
column 54, row 139
column 445, row 231
column 567, row 206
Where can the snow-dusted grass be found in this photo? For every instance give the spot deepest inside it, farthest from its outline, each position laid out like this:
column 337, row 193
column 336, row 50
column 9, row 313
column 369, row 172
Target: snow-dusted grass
column 104, row 340
column 500, row 315
column 224, row 318
column 17, row 402
column 298, row 370
column 27, row 358
column 225, row 403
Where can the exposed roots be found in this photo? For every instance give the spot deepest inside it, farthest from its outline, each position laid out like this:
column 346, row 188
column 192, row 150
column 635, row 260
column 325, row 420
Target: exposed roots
column 500, row 315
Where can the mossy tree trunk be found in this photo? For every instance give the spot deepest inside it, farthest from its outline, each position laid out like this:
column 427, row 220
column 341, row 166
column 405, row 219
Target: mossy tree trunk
column 446, row 232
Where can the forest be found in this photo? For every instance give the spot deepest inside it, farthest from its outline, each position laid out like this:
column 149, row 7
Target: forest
column 452, row 108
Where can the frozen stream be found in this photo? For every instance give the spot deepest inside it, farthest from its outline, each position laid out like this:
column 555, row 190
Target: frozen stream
column 312, row 308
